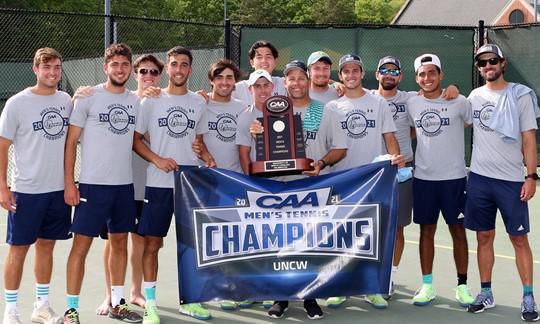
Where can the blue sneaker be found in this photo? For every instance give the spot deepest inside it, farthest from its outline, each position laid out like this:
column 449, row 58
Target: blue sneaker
column 529, row 310
column 484, row 300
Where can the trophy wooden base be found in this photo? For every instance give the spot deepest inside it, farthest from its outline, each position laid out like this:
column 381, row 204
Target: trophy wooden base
column 280, row 167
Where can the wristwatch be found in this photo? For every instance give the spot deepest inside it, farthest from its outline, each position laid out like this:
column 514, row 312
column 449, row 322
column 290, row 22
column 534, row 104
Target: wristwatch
column 323, row 164
column 533, row 176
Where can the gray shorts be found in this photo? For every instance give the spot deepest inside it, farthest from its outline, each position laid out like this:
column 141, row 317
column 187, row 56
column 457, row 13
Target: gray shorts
column 405, row 204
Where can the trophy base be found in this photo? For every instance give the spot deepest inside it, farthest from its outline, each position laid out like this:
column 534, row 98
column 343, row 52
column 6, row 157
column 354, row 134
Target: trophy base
column 280, row 167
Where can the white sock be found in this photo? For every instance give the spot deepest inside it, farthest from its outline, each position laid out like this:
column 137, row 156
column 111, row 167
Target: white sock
column 42, row 294
column 10, row 297
column 150, row 292
column 117, row 293
column 394, row 269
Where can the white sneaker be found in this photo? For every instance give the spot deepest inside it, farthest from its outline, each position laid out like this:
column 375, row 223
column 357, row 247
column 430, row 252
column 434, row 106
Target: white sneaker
column 11, row 316
column 45, row 315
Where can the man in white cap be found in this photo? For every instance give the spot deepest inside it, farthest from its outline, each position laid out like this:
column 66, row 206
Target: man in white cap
column 440, row 174
column 496, row 180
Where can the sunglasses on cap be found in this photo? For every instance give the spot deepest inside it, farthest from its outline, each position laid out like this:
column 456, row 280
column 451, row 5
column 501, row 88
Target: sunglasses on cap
column 491, row 61
column 392, row 72
column 153, row 72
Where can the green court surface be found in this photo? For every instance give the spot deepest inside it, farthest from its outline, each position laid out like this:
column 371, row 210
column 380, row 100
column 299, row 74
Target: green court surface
column 506, row 285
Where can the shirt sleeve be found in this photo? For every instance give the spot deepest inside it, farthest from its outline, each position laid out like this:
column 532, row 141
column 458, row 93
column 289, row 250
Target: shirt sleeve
column 81, row 109
column 202, row 123
column 9, row 121
column 388, row 125
column 467, row 114
column 145, row 107
column 527, row 118
column 243, row 137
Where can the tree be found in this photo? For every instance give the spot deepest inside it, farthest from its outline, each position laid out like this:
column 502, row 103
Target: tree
column 374, row 11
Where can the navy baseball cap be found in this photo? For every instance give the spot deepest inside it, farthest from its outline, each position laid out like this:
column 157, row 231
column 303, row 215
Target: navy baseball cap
column 350, row 58
column 295, row 65
column 389, row 60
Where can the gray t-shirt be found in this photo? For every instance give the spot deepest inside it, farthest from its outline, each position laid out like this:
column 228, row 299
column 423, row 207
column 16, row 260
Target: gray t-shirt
column 37, row 126
column 172, row 122
column 107, row 120
column 220, row 124
column 324, row 97
column 363, row 120
column 241, row 91
column 491, row 156
column 398, row 107
column 440, row 134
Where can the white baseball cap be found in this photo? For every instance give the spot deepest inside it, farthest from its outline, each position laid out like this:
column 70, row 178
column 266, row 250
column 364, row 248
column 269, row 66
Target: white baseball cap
column 426, row 59
column 257, row 74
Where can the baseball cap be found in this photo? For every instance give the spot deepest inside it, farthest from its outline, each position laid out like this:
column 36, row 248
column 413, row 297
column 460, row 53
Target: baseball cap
column 489, row 48
column 426, row 59
column 255, row 75
column 389, row 60
column 319, row 56
column 295, row 65
column 350, row 58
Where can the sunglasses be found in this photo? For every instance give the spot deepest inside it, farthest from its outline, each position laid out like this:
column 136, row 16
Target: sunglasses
column 153, row 72
column 389, row 71
column 491, row 61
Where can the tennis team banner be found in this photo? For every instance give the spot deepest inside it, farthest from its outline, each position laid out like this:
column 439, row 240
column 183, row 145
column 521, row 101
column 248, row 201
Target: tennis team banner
column 247, row 238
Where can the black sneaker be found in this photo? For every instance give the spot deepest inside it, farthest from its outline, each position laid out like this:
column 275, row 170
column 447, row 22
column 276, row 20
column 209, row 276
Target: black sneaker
column 71, row 316
column 313, row 309
column 277, row 310
column 529, row 310
column 124, row 313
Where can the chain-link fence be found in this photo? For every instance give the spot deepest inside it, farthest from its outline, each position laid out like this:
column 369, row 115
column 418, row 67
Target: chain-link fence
column 80, row 38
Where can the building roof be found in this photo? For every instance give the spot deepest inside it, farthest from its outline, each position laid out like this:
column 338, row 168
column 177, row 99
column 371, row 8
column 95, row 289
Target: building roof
column 449, row 12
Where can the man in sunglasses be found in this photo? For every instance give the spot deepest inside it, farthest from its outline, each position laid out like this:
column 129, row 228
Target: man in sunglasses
column 389, row 75
column 496, row 179
column 440, row 174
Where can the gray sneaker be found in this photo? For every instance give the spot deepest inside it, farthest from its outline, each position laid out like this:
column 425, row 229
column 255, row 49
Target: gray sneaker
column 529, row 310
column 124, row 313
column 484, row 300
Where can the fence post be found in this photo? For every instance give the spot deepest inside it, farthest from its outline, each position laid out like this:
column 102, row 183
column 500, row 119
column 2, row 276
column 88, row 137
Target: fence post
column 227, row 38
column 481, row 32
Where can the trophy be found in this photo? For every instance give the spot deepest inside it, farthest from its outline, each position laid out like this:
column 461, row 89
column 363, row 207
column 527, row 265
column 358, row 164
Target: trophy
column 280, row 149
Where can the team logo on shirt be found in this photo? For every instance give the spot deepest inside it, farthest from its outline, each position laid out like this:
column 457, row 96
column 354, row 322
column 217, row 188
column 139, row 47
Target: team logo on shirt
column 357, row 123
column 431, row 122
column 52, row 123
column 118, row 118
column 177, row 121
column 484, row 116
column 225, row 127
column 396, row 109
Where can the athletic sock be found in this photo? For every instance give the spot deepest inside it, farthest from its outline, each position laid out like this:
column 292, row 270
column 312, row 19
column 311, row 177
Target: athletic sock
column 394, row 269
column 461, row 279
column 10, row 297
column 427, row 279
column 73, row 301
column 486, row 286
column 42, row 294
column 117, row 293
column 527, row 290
column 150, row 292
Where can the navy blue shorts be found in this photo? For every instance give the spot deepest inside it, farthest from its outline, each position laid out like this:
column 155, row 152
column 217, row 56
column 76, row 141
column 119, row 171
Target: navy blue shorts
column 157, row 211
column 485, row 195
column 434, row 197
column 138, row 212
column 43, row 215
column 110, row 206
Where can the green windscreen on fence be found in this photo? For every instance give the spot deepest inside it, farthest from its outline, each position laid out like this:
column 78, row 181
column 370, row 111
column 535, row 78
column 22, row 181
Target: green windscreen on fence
column 521, row 47
column 453, row 46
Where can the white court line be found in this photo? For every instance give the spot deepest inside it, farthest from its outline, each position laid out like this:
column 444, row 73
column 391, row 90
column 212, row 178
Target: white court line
column 502, row 256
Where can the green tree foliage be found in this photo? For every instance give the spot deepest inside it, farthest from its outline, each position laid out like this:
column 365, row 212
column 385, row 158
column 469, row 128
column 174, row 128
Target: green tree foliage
column 374, row 11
